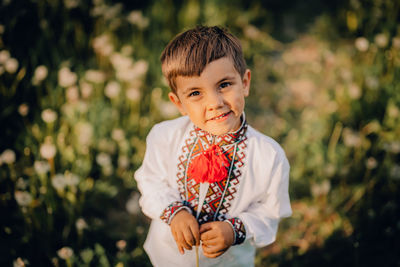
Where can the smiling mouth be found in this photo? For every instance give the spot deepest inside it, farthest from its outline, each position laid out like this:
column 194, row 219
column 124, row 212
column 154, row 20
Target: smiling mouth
column 220, row 116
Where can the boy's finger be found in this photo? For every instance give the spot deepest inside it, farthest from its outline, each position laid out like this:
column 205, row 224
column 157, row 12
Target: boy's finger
column 213, row 248
column 196, row 234
column 181, row 250
column 212, row 254
column 210, row 242
column 205, row 227
column 208, row 235
column 189, row 239
column 182, row 241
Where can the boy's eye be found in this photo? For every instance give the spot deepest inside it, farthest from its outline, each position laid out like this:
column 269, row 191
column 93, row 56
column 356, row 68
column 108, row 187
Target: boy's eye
column 194, row 93
column 224, row 84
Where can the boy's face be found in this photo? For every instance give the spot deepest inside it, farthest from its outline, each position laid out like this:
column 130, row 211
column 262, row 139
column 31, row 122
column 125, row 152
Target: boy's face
column 214, row 101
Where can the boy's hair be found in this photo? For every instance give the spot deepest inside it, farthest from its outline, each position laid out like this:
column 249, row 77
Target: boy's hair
column 190, row 52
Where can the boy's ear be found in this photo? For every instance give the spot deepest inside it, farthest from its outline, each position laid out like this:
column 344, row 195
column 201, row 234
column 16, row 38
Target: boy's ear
column 246, row 82
column 175, row 100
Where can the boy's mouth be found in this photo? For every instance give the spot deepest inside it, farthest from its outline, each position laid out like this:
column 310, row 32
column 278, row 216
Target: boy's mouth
column 220, row 116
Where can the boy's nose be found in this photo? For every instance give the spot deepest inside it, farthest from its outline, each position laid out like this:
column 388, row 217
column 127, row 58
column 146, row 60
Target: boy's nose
column 215, row 100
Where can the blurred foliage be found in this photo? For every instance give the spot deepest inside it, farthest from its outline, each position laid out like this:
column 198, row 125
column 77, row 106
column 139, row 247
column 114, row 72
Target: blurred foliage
column 81, row 85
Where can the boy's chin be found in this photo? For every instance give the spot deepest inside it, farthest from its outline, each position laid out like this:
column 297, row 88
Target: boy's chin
column 218, row 131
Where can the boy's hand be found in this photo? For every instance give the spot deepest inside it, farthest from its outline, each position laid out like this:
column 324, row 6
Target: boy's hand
column 185, row 230
column 216, row 238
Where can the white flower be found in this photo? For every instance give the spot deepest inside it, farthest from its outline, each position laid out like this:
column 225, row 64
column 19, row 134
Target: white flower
column 112, row 89
column 95, row 76
column 133, row 72
column 58, row 181
column 4, row 56
column 48, row 150
column 102, row 45
column 71, row 179
column 321, row 189
column 11, row 65
column 71, row 3
column 23, row 109
column 80, row 224
column 381, row 40
column 84, row 133
column 8, row 156
column 371, row 163
column 133, row 94
column 123, row 162
column 49, row 115
column 118, row 134
column 98, row 10
column 350, row 138
column 393, row 147
column 140, row 67
column 41, row 167
column 120, row 62
column 126, row 75
column 354, row 91
column 303, row 90
column 86, row 89
column 132, row 205
column 362, row 44
column 20, row 262
column 251, row 32
column 72, row 94
column 346, row 74
column 396, row 42
column 121, row 244
column 168, row 110
column 136, row 18
column 103, row 159
column 23, row 198
column 113, row 11
column 40, row 74
column 66, row 78
column 65, row 253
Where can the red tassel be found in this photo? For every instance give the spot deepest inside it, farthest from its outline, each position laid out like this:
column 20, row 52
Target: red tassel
column 211, row 166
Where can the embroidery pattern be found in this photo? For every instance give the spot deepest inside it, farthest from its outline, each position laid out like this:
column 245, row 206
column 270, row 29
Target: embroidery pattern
column 238, row 229
column 172, row 209
column 215, row 191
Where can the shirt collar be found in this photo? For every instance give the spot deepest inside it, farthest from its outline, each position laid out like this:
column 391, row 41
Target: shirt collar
column 224, row 139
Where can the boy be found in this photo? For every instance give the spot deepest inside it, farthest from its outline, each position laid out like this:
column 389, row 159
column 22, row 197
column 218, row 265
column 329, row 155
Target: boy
column 210, row 156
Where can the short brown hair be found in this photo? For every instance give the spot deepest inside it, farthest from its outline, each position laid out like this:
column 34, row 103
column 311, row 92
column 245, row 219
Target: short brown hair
column 190, row 52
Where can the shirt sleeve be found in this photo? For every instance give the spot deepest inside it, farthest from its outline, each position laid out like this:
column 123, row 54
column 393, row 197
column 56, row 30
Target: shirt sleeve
column 262, row 217
column 151, row 177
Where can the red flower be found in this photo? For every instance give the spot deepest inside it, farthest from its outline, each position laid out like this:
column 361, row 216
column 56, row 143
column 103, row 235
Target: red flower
column 211, row 166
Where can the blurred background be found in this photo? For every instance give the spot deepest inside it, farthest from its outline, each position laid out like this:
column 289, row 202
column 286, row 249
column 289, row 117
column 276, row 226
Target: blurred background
column 81, row 86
